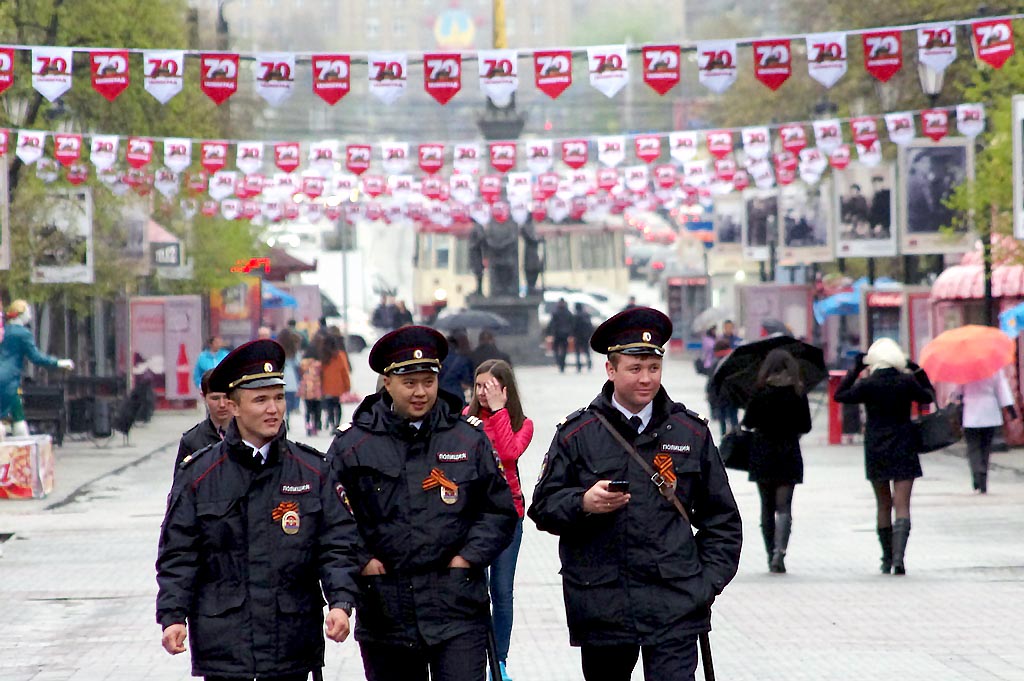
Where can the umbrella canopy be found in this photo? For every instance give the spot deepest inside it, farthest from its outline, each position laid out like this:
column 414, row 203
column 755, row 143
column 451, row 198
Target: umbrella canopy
column 712, row 316
column 470, row 319
column 969, row 353
column 273, row 297
column 736, row 376
column 1011, row 320
column 772, row 326
column 841, row 304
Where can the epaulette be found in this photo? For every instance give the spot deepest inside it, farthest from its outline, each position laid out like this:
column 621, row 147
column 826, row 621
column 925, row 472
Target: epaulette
column 571, row 417
column 187, row 461
column 473, row 421
column 311, row 449
column 342, row 428
column 192, row 428
column 695, row 415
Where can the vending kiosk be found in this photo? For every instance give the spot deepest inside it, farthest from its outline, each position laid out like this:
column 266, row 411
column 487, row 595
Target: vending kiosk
column 902, row 314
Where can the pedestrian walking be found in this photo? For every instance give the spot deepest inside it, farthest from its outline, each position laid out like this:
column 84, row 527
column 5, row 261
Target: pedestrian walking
column 560, row 329
column 891, row 460
column 496, row 402
column 623, row 483
column 336, row 378
column 255, row 537
column 456, row 375
column 582, row 329
column 311, row 384
column 722, row 408
column 984, row 402
column 707, row 351
column 402, row 317
column 291, row 341
column 210, row 430
column 433, row 510
column 210, row 357
column 779, row 414
column 487, row 348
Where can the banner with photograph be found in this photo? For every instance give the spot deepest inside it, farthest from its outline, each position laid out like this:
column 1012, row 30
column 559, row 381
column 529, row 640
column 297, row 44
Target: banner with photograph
column 235, row 311
column 930, row 172
column 865, row 210
column 726, row 256
column 62, row 240
column 1017, row 122
column 761, row 226
column 166, row 339
column 805, row 214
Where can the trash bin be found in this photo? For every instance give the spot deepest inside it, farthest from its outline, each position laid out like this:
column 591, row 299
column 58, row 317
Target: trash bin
column 835, row 410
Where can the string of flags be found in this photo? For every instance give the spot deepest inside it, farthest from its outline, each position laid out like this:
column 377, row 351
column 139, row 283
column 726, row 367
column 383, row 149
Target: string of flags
column 388, row 73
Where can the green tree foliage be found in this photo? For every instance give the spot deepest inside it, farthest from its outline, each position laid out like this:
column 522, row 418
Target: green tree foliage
column 214, row 244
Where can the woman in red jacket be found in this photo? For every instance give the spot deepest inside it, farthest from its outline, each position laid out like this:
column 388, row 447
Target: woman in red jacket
column 496, row 402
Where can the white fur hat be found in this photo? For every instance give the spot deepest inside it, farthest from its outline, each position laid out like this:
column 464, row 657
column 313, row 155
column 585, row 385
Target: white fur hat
column 885, row 353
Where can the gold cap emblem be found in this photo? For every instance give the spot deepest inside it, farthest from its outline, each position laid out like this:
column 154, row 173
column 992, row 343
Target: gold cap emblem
column 418, row 354
column 646, row 336
column 268, row 367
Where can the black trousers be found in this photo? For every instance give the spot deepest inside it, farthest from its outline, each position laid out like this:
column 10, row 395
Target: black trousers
column 979, row 447
column 463, row 658
column 669, row 661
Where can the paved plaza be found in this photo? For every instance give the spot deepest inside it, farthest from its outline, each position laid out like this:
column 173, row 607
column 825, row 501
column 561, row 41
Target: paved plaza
column 77, row 580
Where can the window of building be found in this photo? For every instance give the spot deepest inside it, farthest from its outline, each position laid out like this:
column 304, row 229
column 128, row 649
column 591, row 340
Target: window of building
column 537, row 24
column 462, row 256
column 398, row 28
column 372, row 28
column 441, row 255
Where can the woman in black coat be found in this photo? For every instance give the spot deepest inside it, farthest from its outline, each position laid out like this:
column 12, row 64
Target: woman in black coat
column 778, row 414
column 890, row 447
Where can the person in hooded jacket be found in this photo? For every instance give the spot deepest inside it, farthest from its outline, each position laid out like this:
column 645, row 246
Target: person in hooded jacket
column 634, row 576
column 779, row 414
column 433, row 510
column 891, row 459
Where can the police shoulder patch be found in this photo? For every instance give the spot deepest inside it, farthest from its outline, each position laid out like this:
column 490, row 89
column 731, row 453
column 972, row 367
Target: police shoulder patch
column 343, row 427
column 695, row 415
column 572, row 417
column 473, row 421
column 310, row 449
column 191, row 458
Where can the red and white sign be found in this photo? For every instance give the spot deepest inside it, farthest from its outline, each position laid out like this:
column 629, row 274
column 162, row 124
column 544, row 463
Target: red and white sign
column 332, row 76
column 374, row 185
column 607, row 178
column 936, row 45
column 499, row 75
column 609, row 68
column 901, row 127
column 503, row 156
column 67, row 148
column 870, row 155
column 466, row 158
column 222, row 184
column 387, row 75
column 103, row 151
column 286, row 156
column 4, row 138
column 538, row 156
column 109, row 70
column 575, row 153
column 219, row 77
column 826, row 57
column 741, row 181
column 794, row 137
column 518, row 186
column 275, row 76
column 993, row 41
column 773, row 62
column 140, row 152
column 394, row 157
column 552, row 71
column 490, row 187
column 312, row 186
column 828, row 135
column 665, row 175
column 716, row 61
column 461, row 187
column 6, row 68
column 883, row 54
column 636, row 178
column 970, row 119
column 213, row 155
column 51, row 71
column 682, row 146
column 865, row 130
column 757, row 143
column 322, row 156
column 431, row 157
column 178, row 153
column 611, row 150
column 30, row 146
column 442, row 75
column 249, row 157
column 661, row 67
column 935, row 123
column 358, row 157
column 197, row 181
column 840, row 157
column 163, row 73
column 648, row 147
column 166, row 182
column 725, row 169
column 431, row 187
column 718, row 142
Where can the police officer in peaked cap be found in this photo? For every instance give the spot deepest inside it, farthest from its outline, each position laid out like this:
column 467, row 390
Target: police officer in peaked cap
column 433, row 509
column 255, row 536
column 634, row 576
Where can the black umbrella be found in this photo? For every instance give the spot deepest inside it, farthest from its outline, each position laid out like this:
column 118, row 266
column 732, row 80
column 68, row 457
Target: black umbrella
column 736, row 376
column 470, row 319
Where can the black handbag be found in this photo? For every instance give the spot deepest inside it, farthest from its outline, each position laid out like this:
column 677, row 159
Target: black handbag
column 939, row 429
column 735, row 449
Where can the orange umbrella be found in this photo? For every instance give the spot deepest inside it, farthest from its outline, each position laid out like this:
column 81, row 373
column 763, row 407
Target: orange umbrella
column 969, row 353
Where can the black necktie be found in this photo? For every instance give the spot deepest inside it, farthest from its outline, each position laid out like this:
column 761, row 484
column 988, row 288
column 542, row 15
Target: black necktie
column 636, row 422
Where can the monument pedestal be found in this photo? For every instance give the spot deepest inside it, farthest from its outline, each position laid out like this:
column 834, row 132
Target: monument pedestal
column 523, row 340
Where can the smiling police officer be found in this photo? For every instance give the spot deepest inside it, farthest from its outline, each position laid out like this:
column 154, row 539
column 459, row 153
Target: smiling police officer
column 434, row 511
column 634, row 575
column 255, row 535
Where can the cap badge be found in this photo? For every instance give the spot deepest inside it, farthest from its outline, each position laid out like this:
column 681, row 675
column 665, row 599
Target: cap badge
column 646, row 336
column 418, row 354
column 268, row 367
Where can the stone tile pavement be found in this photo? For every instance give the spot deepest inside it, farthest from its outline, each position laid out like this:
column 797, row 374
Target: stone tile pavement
column 77, row 586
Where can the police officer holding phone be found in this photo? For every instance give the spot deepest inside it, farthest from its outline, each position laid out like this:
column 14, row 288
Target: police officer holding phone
column 634, row 575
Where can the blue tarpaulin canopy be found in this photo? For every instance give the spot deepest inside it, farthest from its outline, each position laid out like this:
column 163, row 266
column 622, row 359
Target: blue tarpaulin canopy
column 1011, row 320
column 273, row 297
column 846, row 302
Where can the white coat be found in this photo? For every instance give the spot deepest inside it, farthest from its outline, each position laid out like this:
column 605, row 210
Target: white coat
column 984, row 401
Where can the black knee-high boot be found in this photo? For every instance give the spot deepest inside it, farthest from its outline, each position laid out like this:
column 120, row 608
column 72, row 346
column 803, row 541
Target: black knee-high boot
column 783, row 526
column 768, row 534
column 900, row 535
column 885, row 540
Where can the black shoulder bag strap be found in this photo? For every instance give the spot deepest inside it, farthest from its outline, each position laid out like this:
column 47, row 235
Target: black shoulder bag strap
column 668, row 491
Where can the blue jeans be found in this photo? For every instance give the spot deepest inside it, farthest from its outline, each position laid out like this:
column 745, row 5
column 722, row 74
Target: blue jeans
column 502, row 576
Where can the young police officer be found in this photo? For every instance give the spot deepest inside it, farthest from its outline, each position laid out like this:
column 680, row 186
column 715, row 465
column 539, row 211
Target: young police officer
column 433, row 509
column 633, row 574
column 254, row 530
column 210, row 430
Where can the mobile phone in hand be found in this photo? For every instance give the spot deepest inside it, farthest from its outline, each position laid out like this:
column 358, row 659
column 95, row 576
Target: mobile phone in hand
column 619, row 486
